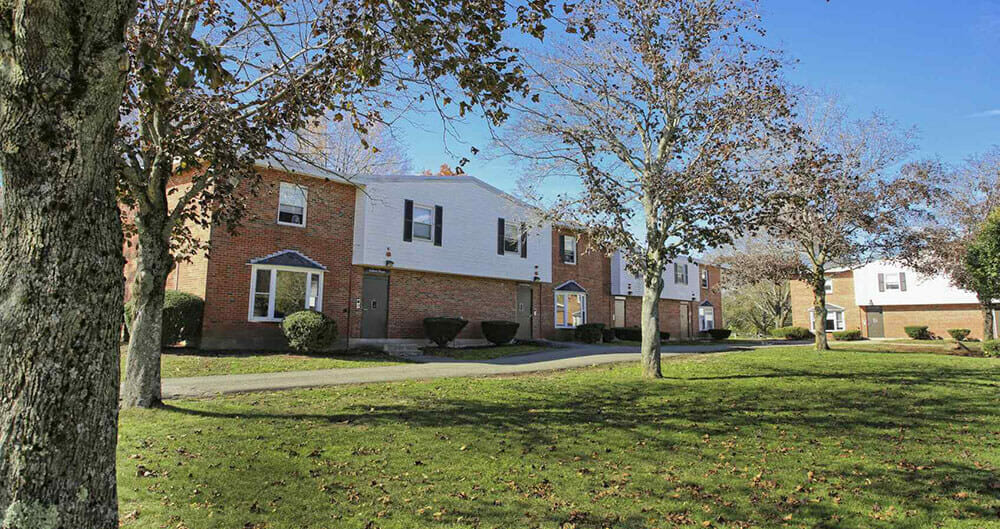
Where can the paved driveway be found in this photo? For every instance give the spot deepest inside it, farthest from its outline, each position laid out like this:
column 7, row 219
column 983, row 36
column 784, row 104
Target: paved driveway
column 428, row 368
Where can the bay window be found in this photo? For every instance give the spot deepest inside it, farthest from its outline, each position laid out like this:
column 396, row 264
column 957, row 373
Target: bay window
column 571, row 309
column 834, row 319
column 277, row 291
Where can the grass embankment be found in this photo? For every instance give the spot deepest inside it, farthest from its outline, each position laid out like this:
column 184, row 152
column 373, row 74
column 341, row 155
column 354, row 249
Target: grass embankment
column 193, row 363
column 778, row 437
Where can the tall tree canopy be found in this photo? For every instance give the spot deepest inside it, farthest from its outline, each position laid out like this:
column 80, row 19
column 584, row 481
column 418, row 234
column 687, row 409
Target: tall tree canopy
column 217, row 86
column 655, row 116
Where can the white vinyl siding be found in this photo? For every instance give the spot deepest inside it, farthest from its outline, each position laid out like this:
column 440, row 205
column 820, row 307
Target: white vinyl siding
column 277, row 291
column 292, row 201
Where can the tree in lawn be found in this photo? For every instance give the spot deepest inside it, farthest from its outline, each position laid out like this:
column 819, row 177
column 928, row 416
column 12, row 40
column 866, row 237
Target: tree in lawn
column 941, row 246
column 60, row 261
column 756, row 291
column 842, row 196
column 982, row 260
column 654, row 115
column 217, row 86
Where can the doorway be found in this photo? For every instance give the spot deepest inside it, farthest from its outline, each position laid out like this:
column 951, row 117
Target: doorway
column 374, row 305
column 618, row 318
column 525, row 312
column 876, row 324
column 685, row 323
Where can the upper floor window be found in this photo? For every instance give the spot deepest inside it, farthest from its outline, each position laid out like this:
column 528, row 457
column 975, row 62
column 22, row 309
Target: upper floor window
column 828, row 286
column 511, row 237
column 893, row 281
column 423, row 222
column 704, row 278
column 292, row 204
column 680, row 273
column 569, row 249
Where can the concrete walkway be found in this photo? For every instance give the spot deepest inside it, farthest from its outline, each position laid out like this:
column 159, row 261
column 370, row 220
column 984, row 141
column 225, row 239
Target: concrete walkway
column 427, row 368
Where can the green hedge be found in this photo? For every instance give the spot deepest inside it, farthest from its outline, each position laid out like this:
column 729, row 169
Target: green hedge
column 959, row 334
column 664, row 336
column 632, row 334
column 499, row 332
column 917, row 332
column 991, row 348
column 847, row 336
column 443, row 330
column 589, row 332
column 792, row 333
column 308, row 331
column 607, row 335
column 182, row 316
column 716, row 334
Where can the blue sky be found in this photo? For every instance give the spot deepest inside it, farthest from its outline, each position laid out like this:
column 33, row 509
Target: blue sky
column 930, row 64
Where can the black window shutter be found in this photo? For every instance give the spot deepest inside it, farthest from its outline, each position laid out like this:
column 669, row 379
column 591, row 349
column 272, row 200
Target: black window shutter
column 902, row 282
column 438, row 214
column 562, row 248
column 500, row 236
column 524, row 241
column 407, row 220
column 881, row 282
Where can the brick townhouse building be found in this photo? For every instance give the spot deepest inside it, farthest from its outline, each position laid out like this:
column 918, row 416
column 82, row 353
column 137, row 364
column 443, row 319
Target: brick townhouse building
column 883, row 297
column 380, row 255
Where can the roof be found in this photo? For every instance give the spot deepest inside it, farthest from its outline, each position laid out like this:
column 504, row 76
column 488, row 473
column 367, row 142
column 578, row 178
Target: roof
column 706, row 303
column 291, row 258
column 571, row 286
column 829, row 307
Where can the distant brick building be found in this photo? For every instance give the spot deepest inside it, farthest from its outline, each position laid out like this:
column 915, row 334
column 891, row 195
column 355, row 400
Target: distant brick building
column 882, row 298
column 381, row 257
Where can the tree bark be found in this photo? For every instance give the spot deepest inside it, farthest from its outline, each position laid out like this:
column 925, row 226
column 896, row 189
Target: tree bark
column 652, row 286
column 60, row 261
column 819, row 310
column 988, row 324
column 142, row 365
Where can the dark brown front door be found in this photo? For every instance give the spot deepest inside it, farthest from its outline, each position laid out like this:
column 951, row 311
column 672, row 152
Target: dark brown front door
column 525, row 310
column 374, row 305
column 876, row 326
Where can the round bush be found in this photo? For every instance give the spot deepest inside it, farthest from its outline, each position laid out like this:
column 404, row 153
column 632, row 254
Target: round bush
column 991, row 348
column 309, row 331
column 792, row 333
column 589, row 332
column 917, row 332
column 607, row 335
column 632, row 334
column 847, row 336
column 182, row 316
column 959, row 334
column 664, row 336
column 717, row 334
column 443, row 330
column 500, row 332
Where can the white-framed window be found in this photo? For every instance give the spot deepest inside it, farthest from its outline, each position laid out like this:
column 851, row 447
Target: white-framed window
column 706, row 318
column 571, row 309
column 511, row 237
column 704, row 278
column 892, row 281
column 680, row 273
column 569, row 249
column 834, row 320
column 277, row 291
column 828, row 286
column 292, row 204
column 423, row 222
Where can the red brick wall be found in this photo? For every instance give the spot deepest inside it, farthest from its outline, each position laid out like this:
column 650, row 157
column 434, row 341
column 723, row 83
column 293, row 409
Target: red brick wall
column 842, row 296
column 938, row 318
column 712, row 294
column 327, row 238
column 592, row 271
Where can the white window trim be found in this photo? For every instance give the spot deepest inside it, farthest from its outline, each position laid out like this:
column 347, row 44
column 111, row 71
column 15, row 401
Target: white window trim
column 702, row 319
column 413, row 233
column 575, row 242
column 704, row 278
column 898, row 283
column 274, row 285
column 568, row 317
column 517, row 240
column 305, row 206
column 682, row 268
column 839, row 324
column 828, row 286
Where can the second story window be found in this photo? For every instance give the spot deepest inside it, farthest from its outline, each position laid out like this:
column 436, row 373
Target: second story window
column 292, row 204
column 893, row 281
column 423, row 222
column 680, row 274
column 828, row 286
column 511, row 237
column 704, row 278
column 569, row 249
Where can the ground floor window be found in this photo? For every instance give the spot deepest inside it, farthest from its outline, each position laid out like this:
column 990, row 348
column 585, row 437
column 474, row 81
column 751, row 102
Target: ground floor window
column 279, row 291
column 706, row 318
column 571, row 309
column 834, row 319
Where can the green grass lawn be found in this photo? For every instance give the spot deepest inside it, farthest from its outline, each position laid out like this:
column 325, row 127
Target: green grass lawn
column 768, row 438
column 191, row 363
column 483, row 353
column 910, row 346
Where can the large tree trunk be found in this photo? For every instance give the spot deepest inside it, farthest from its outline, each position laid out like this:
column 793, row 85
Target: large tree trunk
column 650, row 317
column 60, row 261
column 988, row 317
column 819, row 311
column 142, row 370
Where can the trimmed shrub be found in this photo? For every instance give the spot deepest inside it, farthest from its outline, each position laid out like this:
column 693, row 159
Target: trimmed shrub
column 664, row 336
column 792, row 333
column 959, row 335
column 182, row 316
column 632, row 334
column 500, row 332
column 443, row 330
column 716, row 334
column 991, row 348
column 917, row 332
column 589, row 332
column 607, row 335
column 309, row 331
column 847, row 336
